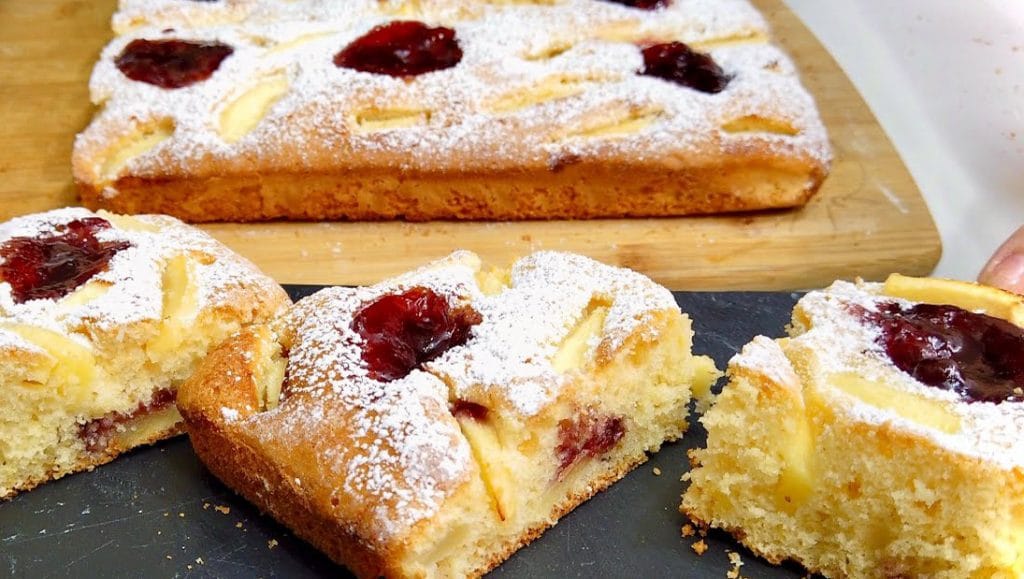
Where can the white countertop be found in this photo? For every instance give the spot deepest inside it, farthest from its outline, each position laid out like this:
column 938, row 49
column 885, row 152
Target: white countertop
column 945, row 78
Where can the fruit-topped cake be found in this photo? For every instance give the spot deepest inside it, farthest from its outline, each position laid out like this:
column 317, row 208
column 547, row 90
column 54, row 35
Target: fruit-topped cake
column 883, row 438
column 427, row 109
column 102, row 316
column 433, row 424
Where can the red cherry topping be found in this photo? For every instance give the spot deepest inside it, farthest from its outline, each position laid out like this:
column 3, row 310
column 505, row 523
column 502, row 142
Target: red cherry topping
column 466, row 409
column 587, row 435
column 643, row 4
column 51, row 266
column 979, row 357
column 171, row 63
column 401, row 48
column 678, row 63
column 402, row 331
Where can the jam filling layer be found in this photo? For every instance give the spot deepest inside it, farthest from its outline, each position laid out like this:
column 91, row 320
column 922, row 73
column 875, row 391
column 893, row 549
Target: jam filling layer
column 979, row 357
column 171, row 63
column 587, row 435
column 401, row 332
column 99, row 434
column 52, row 266
column 402, row 48
column 676, row 62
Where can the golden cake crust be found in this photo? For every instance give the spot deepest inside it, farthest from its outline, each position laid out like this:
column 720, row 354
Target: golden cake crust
column 544, row 118
column 388, row 478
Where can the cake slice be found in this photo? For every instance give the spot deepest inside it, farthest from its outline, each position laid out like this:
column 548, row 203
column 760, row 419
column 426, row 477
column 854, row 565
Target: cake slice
column 883, row 438
column 433, row 424
column 423, row 109
column 101, row 317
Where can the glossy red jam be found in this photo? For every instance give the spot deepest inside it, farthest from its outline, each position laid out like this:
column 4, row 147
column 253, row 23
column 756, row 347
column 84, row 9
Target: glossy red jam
column 402, row 331
column 98, row 434
column 678, row 63
column 466, row 409
column 979, row 357
column 53, row 265
column 171, row 63
column 402, row 48
column 643, row 4
column 586, row 436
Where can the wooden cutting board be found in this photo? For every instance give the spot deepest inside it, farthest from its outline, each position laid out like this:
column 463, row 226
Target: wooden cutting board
column 869, row 218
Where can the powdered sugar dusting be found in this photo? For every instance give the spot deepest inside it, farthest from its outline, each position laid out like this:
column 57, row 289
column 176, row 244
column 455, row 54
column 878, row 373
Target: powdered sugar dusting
column 841, row 342
column 133, row 279
column 507, row 361
column 403, row 453
column 313, row 128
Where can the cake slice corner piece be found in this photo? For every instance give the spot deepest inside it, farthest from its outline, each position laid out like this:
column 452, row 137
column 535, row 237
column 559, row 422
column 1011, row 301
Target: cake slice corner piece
column 837, row 448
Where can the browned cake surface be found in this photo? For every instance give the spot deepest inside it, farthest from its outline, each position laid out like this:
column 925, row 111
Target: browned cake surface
column 545, row 116
column 448, row 470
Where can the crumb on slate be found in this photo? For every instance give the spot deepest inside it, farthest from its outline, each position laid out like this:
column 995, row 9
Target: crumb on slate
column 737, row 562
column 688, row 530
column 222, row 509
column 271, row 543
column 657, row 471
column 699, row 547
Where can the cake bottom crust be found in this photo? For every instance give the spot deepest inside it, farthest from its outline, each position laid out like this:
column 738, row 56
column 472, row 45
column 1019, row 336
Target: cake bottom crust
column 245, row 470
column 142, row 430
column 575, row 191
column 869, row 500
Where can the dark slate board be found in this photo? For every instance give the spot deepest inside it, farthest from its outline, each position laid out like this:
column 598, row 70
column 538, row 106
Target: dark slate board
column 157, row 511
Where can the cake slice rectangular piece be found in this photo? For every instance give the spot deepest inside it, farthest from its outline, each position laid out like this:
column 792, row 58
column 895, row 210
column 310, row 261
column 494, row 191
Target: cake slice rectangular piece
column 102, row 316
column 881, row 439
column 435, row 423
column 423, row 109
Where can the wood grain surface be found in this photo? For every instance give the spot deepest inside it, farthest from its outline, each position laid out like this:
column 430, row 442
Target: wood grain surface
column 869, row 218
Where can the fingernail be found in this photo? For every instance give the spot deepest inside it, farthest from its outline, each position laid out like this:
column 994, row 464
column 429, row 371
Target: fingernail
column 1007, row 274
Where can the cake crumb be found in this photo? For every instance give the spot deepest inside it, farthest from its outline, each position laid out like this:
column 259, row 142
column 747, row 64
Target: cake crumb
column 222, row 509
column 736, row 562
column 238, row 525
column 271, row 543
column 206, row 506
column 181, row 515
column 699, row 547
column 657, row 471
column 692, row 456
column 688, row 530
column 1018, row 391
column 199, row 560
column 168, row 557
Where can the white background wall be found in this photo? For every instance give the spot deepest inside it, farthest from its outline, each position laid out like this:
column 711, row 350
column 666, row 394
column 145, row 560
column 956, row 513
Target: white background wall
column 946, row 80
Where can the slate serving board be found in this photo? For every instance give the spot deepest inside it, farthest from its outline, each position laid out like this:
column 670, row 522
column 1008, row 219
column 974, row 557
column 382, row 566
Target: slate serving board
column 157, row 512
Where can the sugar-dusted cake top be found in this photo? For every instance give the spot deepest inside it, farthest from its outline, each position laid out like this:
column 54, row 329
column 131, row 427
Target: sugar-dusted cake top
column 82, row 274
column 925, row 359
column 500, row 349
column 535, row 85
